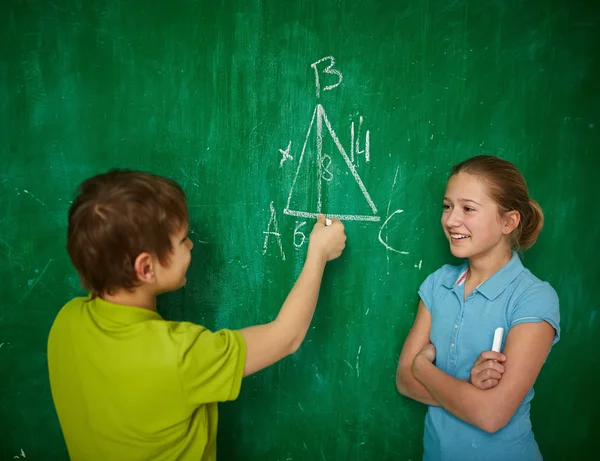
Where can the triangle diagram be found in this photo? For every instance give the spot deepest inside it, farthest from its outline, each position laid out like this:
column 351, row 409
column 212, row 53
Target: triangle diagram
column 326, row 180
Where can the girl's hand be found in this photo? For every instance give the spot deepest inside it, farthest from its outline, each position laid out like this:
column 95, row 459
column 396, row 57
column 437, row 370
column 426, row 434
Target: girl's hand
column 487, row 370
column 428, row 352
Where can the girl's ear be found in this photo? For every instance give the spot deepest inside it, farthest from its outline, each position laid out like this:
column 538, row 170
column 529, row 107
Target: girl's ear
column 510, row 221
column 144, row 268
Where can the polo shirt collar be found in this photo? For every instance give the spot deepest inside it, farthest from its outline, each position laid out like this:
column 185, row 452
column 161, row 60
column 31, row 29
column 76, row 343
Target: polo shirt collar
column 127, row 315
column 496, row 284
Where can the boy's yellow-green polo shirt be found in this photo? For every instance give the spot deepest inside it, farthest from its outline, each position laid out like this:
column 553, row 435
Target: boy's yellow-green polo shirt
column 128, row 385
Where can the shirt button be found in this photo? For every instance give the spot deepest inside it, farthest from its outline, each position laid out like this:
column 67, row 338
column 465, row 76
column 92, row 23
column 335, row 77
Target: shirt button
column 455, row 326
column 452, row 344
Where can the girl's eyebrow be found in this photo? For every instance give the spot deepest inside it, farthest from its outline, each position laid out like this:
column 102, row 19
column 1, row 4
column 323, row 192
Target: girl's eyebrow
column 469, row 200
column 463, row 200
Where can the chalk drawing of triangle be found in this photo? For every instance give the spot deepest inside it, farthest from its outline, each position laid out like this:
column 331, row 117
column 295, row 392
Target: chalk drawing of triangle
column 312, row 165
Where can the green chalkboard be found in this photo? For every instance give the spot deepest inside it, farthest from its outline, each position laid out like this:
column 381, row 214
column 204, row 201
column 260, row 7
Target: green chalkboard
column 236, row 100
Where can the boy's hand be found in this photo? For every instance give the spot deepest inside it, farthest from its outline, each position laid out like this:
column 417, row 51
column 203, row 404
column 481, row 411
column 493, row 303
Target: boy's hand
column 327, row 242
column 487, row 370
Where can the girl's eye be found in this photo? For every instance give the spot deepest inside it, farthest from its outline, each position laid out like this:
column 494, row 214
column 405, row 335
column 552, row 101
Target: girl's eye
column 445, row 207
column 468, row 209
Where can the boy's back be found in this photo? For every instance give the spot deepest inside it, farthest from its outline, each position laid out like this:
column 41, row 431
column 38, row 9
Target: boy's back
column 129, row 385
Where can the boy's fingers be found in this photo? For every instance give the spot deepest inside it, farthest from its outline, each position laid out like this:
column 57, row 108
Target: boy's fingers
column 321, row 219
column 337, row 222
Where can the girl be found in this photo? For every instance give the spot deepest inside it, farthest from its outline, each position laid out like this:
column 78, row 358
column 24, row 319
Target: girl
column 479, row 399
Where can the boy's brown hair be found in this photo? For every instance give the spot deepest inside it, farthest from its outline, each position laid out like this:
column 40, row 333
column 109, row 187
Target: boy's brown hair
column 116, row 216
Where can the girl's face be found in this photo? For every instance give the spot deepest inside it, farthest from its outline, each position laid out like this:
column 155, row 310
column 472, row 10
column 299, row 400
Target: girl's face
column 471, row 219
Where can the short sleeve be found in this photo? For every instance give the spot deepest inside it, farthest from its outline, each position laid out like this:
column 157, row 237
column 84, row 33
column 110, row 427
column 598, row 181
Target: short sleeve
column 211, row 365
column 427, row 289
column 538, row 304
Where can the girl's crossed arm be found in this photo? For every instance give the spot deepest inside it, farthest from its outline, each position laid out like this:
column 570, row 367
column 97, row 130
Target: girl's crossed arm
column 526, row 349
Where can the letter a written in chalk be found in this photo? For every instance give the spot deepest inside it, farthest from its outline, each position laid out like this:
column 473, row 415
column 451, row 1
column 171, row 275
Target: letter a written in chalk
column 273, row 229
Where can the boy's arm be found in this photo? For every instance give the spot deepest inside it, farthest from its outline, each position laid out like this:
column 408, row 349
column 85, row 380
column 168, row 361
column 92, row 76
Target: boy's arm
column 269, row 343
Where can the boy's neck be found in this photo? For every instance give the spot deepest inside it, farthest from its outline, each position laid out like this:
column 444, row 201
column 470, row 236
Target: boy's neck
column 137, row 298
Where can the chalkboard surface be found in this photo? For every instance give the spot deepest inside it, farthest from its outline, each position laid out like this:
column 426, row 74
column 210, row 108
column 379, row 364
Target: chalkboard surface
column 268, row 112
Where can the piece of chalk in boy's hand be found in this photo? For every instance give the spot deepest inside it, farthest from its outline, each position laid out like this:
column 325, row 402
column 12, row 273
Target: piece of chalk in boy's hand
column 327, row 222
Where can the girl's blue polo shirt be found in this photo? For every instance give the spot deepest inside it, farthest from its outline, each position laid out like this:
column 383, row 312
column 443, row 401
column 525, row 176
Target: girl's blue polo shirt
column 460, row 331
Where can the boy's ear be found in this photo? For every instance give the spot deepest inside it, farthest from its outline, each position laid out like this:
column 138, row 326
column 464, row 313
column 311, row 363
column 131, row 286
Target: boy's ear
column 511, row 221
column 144, row 268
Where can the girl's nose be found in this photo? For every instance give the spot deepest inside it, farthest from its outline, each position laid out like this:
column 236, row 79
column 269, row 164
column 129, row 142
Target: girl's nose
column 453, row 219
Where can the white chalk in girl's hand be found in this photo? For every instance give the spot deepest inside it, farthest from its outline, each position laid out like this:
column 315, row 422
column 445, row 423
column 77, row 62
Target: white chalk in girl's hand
column 327, row 222
column 497, row 339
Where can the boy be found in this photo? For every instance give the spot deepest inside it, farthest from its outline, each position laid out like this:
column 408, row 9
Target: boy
column 128, row 385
